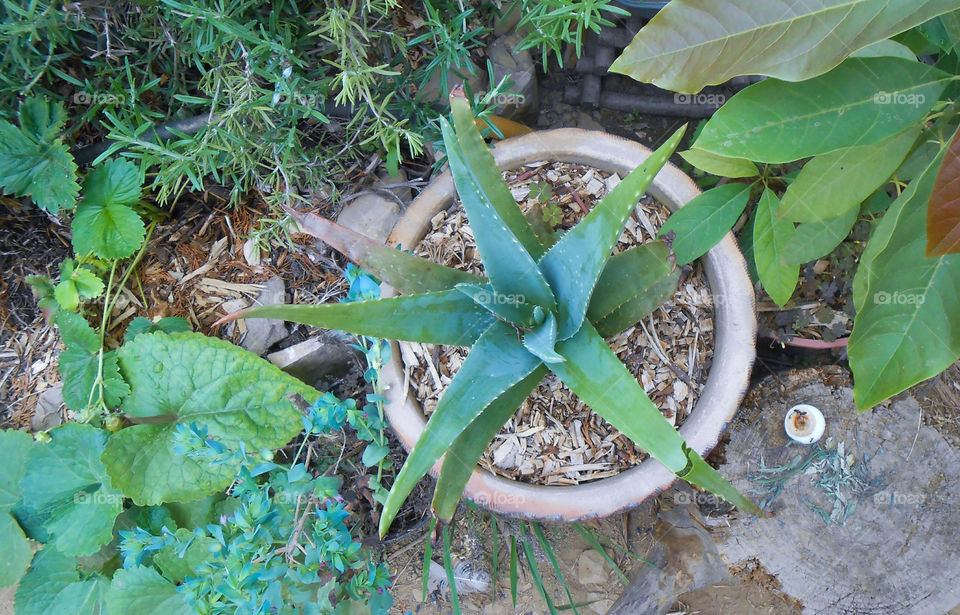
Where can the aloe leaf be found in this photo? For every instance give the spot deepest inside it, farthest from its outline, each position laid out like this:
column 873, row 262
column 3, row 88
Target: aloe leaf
column 508, row 264
column 466, row 450
column 595, row 374
column 496, row 362
column 545, row 544
column 453, row 319
column 541, row 340
column 489, row 178
column 574, row 264
column 406, row 272
column 632, row 285
column 506, row 308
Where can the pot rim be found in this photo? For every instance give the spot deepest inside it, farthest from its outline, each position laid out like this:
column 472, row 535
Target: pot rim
column 735, row 327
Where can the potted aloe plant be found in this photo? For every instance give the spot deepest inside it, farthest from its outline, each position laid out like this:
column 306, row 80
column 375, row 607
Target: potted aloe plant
column 543, row 306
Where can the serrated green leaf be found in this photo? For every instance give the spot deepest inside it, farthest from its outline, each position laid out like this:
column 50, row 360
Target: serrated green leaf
column 455, row 319
column 861, row 102
column 34, row 162
column 691, row 44
column 16, row 550
column 811, row 240
column 720, row 165
column 66, row 480
column 832, row 184
column 574, row 264
column 184, row 378
column 168, row 324
column 53, row 586
column 595, row 374
column 465, row 452
column 770, row 236
column 79, row 363
column 908, row 326
column 104, row 223
column 76, row 283
column 702, row 222
column 142, row 590
column 496, row 362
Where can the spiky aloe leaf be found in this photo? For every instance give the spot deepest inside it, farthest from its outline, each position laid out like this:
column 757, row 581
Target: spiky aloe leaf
column 574, row 264
column 496, row 363
column 508, row 264
column 406, row 272
column 445, row 317
column 488, row 176
column 460, row 461
column 632, row 285
column 595, row 374
column 506, row 308
column 541, row 340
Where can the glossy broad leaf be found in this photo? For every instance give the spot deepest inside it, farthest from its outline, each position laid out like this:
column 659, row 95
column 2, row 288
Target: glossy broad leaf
column 832, row 184
column 455, row 319
column 104, row 223
column 771, row 234
column 811, row 240
column 406, row 272
column 633, row 284
column 943, row 211
column 716, row 164
column 574, row 264
column 143, row 590
column 53, row 586
column 885, row 47
column 16, row 550
column 691, row 44
column 908, row 329
column 186, row 378
column 465, row 452
column 509, row 266
column 80, row 364
column 496, row 363
column 595, row 374
column 862, row 101
column 702, row 222
column 67, row 483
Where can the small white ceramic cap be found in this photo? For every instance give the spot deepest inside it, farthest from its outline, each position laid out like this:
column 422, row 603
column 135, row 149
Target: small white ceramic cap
column 804, row 423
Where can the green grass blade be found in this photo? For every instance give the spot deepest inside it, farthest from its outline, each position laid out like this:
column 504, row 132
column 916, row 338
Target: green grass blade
column 508, row 264
column 494, row 556
column 593, row 542
column 466, row 450
column 574, row 264
column 553, row 561
column 513, row 570
column 633, row 284
column 407, row 273
column 427, row 558
column 489, row 177
column 495, row 363
column 595, row 374
column 537, row 580
column 454, row 318
column 448, row 566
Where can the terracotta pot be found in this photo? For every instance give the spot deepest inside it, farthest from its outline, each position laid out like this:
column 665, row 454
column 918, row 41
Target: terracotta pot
column 735, row 326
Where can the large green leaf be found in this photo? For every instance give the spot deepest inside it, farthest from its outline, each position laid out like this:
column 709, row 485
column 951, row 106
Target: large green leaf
column 80, row 364
column 184, row 378
column 16, row 549
column 943, row 211
column 67, row 483
column 512, row 270
column 455, row 319
column 771, row 234
column 53, row 586
column 702, row 222
column 496, row 363
column 862, row 101
column 143, row 591
column 574, row 264
column 811, row 240
column 104, row 223
column 908, row 328
column 462, row 457
column 720, row 165
column 691, row 44
column 404, row 271
column 595, row 374
column 832, row 184
column 633, row 284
